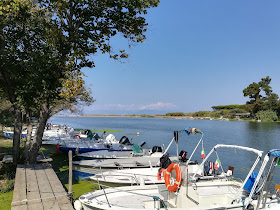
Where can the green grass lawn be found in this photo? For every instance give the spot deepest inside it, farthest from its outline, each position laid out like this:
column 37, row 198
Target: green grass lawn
column 6, row 174
column 6, row 200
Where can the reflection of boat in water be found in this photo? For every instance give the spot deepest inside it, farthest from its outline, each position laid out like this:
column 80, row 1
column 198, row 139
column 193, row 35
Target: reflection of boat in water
column 202, row 188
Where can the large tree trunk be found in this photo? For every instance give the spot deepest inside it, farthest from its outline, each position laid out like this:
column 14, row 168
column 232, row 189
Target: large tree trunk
column 28, row 135
column 37, row 141
column 17, row 134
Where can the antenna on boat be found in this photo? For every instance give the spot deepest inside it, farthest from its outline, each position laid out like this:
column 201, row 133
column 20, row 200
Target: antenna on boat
column 176, row 138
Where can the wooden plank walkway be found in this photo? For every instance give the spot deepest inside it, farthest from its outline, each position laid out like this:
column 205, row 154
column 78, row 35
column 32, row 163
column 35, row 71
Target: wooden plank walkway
column 38, row 187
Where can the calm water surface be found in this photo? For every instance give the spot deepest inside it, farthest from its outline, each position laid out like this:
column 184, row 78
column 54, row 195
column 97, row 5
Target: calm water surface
column 158, row 131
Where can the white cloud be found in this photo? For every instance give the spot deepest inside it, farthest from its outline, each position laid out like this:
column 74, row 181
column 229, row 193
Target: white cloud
column 158, row 106
column 132, row 107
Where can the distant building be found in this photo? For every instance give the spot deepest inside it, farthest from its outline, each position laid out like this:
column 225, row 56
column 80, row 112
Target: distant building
column 238, row 115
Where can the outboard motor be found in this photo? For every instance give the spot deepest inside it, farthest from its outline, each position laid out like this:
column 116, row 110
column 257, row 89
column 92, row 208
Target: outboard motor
column 87, row 131
column 165, row 161
column 125, row 141
column 156, row 149
column 206, row 168
column 95, row 136
column 183, row 156
column 111, row 138
column 143, row 144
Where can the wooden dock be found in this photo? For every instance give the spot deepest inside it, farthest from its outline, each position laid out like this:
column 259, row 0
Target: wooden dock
column 38, row 187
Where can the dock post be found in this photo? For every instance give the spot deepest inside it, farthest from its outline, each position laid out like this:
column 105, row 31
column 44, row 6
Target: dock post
column 70, row 173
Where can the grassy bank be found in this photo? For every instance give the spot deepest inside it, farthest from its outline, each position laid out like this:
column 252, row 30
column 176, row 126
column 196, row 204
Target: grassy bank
column 7, row 174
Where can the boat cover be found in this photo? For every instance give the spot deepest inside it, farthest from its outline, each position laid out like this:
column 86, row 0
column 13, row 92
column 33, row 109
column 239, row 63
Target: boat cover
column 274, row 152
column 190, row 130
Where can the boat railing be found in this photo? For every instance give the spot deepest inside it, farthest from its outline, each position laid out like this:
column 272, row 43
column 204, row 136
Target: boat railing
column 157, row 200
column 137, row 177
column 258, row 152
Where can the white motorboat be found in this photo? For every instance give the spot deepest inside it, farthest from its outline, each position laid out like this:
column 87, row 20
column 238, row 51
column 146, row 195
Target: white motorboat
column 134, row 176
column 137, row 151
column 90, row 167
column 53, row 133
column 81, row 145
column 7, row 132
column 199, row 189
column 145, row 175
column 61, row 134
column 112, row 151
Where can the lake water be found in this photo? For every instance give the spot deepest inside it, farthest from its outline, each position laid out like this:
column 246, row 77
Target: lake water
column 158, row 131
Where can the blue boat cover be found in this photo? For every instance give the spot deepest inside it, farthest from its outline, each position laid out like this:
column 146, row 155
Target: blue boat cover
column 187, row 130
column 250, row 182
column 274, row 152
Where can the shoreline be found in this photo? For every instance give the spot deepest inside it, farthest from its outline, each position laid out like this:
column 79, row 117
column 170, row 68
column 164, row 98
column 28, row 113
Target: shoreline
column 151, row 116
column 134, row 115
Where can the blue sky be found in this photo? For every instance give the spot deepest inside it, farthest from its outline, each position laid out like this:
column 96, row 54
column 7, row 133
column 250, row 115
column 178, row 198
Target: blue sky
column 197, row 54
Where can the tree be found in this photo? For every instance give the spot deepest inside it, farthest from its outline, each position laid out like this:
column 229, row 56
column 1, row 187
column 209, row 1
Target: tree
column 9, row 13
column 50, row 41
column 253, row 91
column 6, row 111
column 261, row 96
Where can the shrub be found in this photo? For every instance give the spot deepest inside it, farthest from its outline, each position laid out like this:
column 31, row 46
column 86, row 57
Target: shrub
column 202, row 114
column 266, row 116
column 175, row 114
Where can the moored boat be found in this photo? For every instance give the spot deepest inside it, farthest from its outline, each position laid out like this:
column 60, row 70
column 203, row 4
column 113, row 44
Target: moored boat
column 202, row 188
column 91, row 167
column 152, row 175
column 81, row 145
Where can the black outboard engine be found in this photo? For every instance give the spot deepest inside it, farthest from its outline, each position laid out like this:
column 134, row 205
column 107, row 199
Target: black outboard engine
column 95, row 136
column 165, row 161
column 206, row 168
column 87, row 131
column 183, row 156
column 125, row 141
column 156, row 149
column 143, row 144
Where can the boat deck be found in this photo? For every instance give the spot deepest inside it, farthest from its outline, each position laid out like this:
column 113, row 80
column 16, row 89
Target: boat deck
column 38, row 187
